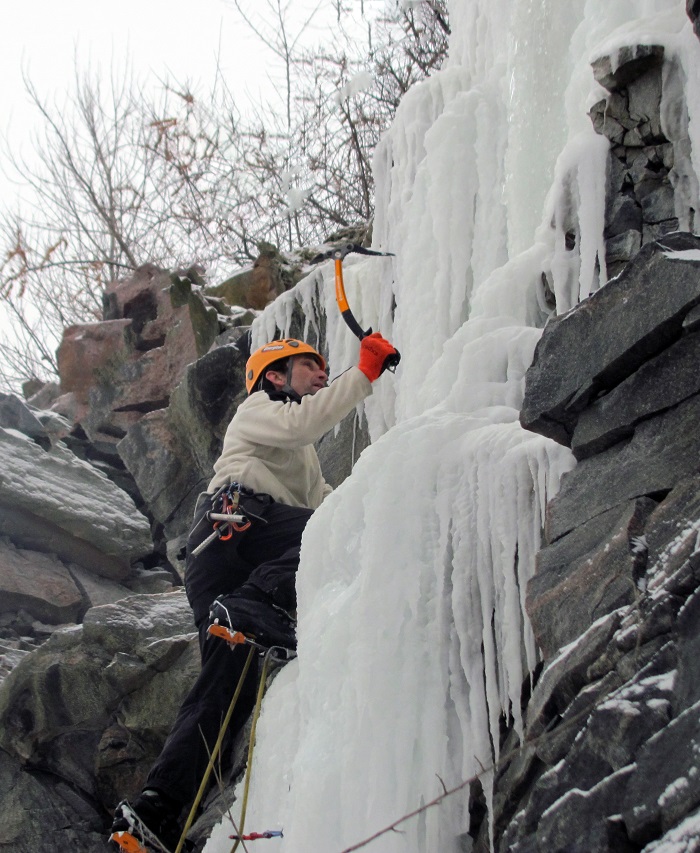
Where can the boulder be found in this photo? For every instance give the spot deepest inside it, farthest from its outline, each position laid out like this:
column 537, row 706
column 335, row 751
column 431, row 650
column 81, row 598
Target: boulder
column 91, row 707
column 635, row 318
column 54, row 502
column 15, row 414
column 39, row 584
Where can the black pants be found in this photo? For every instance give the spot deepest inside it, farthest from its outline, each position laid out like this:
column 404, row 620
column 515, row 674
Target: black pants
column 267, row 556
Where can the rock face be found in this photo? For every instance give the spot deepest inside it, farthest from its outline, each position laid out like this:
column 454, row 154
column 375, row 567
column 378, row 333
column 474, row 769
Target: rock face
column 649, row 179
column 612, row 732
column 119, row 369
column 640, row 359
column 70, row 537
column 84, row 716
column 53, row 501
column 256, row 287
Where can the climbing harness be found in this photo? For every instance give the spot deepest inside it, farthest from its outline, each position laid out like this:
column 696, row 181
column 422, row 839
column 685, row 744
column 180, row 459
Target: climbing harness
column 391, row 361
column 227, row 515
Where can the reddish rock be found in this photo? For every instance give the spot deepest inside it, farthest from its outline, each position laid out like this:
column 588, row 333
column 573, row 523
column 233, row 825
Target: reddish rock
column 90, row 351
column 126, row 366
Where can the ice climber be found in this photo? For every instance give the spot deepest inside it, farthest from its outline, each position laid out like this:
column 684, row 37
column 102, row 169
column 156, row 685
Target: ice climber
column 268, row 463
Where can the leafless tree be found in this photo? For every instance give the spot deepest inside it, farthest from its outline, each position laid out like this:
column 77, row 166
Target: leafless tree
column 122, row 177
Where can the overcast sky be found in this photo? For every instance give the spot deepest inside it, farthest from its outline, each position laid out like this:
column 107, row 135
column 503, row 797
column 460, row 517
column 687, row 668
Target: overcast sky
column 181, row 39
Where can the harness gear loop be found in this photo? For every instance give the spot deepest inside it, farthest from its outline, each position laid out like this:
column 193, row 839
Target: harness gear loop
column 228, row 520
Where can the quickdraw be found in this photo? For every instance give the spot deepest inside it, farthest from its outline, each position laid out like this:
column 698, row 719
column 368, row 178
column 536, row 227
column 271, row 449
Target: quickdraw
column 226, row 515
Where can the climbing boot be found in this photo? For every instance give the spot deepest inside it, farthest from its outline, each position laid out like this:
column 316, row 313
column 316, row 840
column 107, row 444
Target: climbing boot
column 253, row 613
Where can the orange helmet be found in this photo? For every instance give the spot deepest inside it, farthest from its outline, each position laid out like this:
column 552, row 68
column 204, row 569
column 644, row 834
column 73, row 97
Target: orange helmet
column 274, row 351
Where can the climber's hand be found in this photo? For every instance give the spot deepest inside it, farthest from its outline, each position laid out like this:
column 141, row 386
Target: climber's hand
column 376, row 356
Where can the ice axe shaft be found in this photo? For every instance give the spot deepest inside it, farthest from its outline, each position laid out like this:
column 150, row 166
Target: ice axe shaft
column 341, row 298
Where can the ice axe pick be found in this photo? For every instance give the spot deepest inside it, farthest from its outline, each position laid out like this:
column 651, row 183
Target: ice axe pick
column 337, row 254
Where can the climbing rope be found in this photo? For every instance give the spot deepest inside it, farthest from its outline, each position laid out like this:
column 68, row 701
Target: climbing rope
column 269, row 655
column 215, row 751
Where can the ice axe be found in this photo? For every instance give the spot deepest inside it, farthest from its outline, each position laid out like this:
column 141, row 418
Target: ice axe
column 337, row 254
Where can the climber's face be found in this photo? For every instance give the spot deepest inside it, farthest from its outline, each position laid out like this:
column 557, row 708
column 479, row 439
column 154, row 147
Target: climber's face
column 307, row 376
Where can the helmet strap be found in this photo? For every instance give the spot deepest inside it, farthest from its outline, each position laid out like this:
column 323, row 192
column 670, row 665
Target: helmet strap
column 287, row 387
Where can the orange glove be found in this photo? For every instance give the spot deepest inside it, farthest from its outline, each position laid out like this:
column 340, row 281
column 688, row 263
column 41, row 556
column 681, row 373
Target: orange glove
column 374, row 352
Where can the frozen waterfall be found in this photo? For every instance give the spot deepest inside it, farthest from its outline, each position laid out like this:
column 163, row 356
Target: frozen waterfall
column 413, row 638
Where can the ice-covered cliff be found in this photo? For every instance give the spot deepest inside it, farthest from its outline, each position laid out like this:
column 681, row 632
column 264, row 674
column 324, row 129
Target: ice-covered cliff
column 413, row 640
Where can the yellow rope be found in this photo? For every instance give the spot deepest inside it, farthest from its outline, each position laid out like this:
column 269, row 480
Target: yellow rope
column 215, row 752
column 251, row 745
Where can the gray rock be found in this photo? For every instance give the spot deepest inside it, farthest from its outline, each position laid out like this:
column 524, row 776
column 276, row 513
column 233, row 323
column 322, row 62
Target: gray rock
column 620, row 250
column 15, row 414
column 171, row 453
column 45, row 396
column 654, row 231
column 565, row 675
column 671, row 532
column 629, row 63
column 159, row 465
column 606, row 122
column 92, row 707
column 585, row 575
column 619, row 327
column 665, row 784
column 658, row 201
column 38, row 583
column 97, row 590
column 624, row 216
column 43, row 814
column 53, row 502
column 662, row 452
column 339, row 449
column 691, row 323
column 581, row 821
column 204, row 402
column 687, row 688
column 663, row 382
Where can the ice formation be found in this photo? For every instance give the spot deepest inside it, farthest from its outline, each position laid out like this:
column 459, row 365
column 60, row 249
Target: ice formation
column 413, row 637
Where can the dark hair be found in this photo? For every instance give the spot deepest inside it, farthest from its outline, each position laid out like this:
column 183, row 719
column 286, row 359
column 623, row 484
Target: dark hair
column 280, row 366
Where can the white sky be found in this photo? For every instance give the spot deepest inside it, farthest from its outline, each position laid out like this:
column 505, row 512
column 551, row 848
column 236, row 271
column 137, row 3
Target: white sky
column 179, row 39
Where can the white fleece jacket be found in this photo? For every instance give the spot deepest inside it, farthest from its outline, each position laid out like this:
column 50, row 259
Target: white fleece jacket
column 268, row 445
